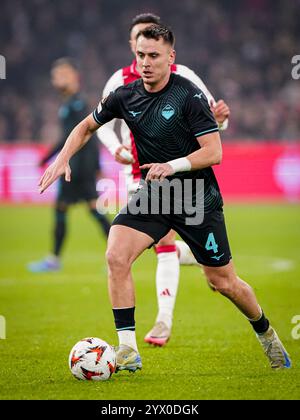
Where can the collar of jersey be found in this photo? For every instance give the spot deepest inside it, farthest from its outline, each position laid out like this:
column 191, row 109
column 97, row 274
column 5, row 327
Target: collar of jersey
column 170, row 82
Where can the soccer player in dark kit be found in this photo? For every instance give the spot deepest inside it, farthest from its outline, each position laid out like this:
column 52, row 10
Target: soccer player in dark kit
column 85, row 167
column 170, row 253
column 177, row 139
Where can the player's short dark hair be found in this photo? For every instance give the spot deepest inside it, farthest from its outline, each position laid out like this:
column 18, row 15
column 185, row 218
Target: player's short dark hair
column 144, row 18
column 158, row 31
column 65, row 61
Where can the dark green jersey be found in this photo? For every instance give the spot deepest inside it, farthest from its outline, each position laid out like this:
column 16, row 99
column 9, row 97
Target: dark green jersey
column 165, row 125
column 85, row 163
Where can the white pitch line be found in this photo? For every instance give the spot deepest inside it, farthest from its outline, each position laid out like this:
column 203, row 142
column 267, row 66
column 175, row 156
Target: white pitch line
column 272, row 264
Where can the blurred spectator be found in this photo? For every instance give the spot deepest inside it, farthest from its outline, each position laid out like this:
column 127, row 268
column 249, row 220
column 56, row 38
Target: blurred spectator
column 241, row 49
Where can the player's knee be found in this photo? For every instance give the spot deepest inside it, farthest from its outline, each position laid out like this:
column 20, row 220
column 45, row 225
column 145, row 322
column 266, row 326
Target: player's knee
column 223, row 284
column 116, row 260
column 226, row 289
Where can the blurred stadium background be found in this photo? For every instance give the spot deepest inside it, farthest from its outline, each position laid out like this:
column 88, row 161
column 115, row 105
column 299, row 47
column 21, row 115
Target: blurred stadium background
column 243, row 51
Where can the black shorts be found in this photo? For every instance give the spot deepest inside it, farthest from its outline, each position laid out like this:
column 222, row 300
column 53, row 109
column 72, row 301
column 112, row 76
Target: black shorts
column 208, row 241
column 76, row 190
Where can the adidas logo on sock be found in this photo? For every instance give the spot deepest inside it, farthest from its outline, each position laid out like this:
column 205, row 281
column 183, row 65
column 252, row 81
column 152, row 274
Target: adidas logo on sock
column 165, row 292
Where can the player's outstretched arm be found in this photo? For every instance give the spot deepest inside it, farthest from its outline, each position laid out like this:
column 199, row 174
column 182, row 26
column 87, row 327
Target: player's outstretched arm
column 52, row 152
column 209, row 154
column 76, row 140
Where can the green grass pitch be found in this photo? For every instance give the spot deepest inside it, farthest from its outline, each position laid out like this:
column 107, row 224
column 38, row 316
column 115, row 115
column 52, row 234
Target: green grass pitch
column 213, row 352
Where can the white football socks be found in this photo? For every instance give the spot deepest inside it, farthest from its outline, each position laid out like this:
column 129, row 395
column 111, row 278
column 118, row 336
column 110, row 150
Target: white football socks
column 186, row 256
column 167, row 278
column 128, row 338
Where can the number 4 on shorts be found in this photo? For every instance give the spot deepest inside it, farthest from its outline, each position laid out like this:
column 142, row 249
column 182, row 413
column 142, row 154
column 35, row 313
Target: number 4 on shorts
column 211, row 244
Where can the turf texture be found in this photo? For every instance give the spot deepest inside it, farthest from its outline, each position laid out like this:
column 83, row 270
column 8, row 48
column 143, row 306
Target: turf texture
column 213, row 353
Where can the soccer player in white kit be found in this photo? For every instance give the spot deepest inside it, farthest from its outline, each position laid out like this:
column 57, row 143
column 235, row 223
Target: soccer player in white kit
column 170, row 253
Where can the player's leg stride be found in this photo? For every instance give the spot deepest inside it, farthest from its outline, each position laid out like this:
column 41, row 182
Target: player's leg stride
column 124, row 246
column 52, row 263
column 167, row 280
column 225, row 281
column 170, row 255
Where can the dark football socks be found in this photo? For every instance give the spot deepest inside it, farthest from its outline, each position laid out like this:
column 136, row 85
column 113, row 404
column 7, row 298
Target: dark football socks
column 59, row 230
column 124, row 319
column 261, row 325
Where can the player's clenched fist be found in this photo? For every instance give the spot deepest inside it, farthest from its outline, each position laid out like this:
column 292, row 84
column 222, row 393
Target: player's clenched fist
column 123, row 155
column 220, row 110
column 53, row 172
column 158, row 171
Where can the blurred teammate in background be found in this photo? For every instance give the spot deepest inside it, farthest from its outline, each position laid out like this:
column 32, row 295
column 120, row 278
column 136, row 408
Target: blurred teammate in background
column 85, row 167
column 170, row 253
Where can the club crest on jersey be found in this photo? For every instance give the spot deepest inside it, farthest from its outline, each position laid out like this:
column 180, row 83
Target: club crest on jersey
column 168, row 112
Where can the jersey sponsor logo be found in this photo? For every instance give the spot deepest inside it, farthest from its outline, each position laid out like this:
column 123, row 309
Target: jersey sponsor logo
column 168, row 112
column 134, row 114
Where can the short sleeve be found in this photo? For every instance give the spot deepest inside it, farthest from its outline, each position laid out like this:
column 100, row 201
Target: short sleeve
column 189, row 74
column 198, row 113
column 107, row 109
